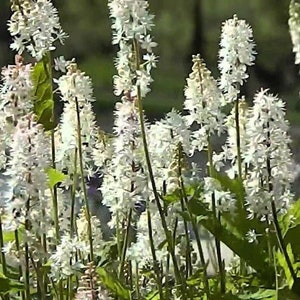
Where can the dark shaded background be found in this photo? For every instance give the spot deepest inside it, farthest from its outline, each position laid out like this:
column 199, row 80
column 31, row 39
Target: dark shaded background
column 182, row 28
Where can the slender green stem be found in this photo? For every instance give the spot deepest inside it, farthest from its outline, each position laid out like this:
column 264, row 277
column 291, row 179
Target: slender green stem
column 125, row 243
column 40, row 284
column 217, row 222
column 73, row 196
column 137, row 282
column 153, row 252
column 279, row 236
column 171, row 246
column 2, row 257
column 281, row 242
column 188, row 260
column 18, row 251
column 198, row 241
column 87, row 208
column 276, row 274
column 238, row 138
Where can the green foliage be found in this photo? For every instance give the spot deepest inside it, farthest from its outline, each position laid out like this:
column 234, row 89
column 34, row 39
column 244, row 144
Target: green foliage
column 111, row 282
column 8, row 285
column 43, row 96
column 55, row 177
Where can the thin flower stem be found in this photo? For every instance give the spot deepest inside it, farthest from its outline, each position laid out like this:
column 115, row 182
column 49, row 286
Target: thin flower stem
column 238, row 138
column 40, row 285
column 279, row 236
column 217, row 217
column 87, row 208
column 73, row 195
column 198, row 241
column 125, row 243
column 171, row 246
column 153, row 252
column 20, row 267
column 2, row 258
column 137, row 283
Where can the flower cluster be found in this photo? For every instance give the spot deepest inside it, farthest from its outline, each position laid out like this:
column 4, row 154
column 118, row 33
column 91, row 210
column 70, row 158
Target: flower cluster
column 268, row 156
column 229, row 150
column 294, row 24
column 26, row 170
column 203, row 103
column 236, row 53
column 133, row 38
column 125, row 181
column 77, row 94
column 34, row 25
column 15, row 101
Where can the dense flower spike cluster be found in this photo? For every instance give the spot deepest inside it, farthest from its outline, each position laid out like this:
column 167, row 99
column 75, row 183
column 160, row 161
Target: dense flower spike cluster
column 134, row 40
column 165, row 136
column 26, row 170
column 34, row 26
column 203, row 103
column 125, row 181
column 15, row 100
column 271, row 168
column 236, row 53
column 294, row 24
column 229, row 150
column 74, row 87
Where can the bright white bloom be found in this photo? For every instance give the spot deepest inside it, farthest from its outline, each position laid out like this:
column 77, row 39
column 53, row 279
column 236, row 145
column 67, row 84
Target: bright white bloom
column 82, row 231
column 203, row 103
column 131, row 20
column 131, row 25
column 251, row 236
column 268, row 156
column 26, row 170
column 76, row 86
column 15, row 101
column 34, row 26
column 224, row 200
column 164, row 137
column 236, row 53
column 294, row 24
column 229, row 150
column 64, row 262
column 125, row 181
column 140, row 251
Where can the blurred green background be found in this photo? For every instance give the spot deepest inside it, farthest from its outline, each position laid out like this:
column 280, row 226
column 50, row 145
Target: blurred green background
column 182, row 28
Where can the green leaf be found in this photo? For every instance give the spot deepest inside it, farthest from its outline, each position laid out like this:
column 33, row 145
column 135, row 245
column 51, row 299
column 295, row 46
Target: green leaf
column 260, row 294
column 9, row 236
column 282, row 262
column 230, row 235
column 8, row 285
column 55, row 177
column 113, row 284
column 154, row 295
column 43, row 96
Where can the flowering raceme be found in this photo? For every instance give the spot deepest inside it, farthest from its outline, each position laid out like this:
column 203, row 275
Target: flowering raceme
column 133, row 37
column 34, row 26
column 294, row 25
column 76, row 86
column 203, row 103
column 26, row 170
column 268, row 156
column 15, row 100
column 236, row 53
column 125, row 181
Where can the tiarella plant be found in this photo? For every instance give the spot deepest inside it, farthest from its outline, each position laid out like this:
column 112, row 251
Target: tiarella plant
column 163, row 210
